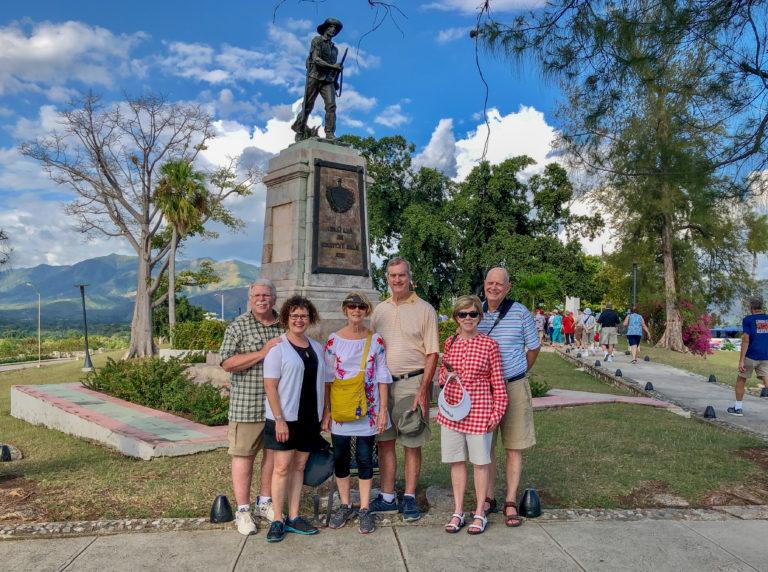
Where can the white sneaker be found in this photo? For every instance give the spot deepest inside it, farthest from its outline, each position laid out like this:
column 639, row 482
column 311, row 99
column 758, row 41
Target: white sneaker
column 605, row 357
column 265, row 511
column 244, row 522
column 609, row 359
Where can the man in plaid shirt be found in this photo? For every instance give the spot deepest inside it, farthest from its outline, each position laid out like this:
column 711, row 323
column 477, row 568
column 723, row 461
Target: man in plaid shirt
column 246, row 343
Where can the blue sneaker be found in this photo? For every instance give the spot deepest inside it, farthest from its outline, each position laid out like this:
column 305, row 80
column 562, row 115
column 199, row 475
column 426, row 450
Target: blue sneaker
column 276, row 531
column 300, row 526
column 381, row 506
column 411, row 512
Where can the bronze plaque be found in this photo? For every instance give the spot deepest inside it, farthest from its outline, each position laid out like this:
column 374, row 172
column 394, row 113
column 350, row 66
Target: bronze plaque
column 340, row 244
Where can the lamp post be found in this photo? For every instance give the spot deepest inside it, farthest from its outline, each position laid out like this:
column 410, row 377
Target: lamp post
column 87, row 365
column 222, row 305
column 39, row 337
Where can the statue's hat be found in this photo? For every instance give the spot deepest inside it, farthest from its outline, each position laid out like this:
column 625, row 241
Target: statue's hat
column 330, row 22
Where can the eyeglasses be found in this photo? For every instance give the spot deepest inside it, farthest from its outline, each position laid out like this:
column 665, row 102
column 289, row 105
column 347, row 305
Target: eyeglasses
column 463, row 315
column 299, row 317
column 356, row 306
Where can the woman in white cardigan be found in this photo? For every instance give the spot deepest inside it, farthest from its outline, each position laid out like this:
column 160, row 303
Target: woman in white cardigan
column 294, row 376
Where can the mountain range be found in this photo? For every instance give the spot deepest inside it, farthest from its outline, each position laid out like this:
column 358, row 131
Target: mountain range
column 109, row 295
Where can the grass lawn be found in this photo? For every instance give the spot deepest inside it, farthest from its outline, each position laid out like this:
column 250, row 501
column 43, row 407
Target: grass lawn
column 595, row 456
column 561, row 374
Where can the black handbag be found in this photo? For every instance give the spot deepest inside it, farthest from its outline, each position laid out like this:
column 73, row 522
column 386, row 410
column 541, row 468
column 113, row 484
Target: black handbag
column 319, row 467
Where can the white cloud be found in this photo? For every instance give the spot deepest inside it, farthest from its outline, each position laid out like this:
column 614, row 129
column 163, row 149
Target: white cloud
column 472, row 6
column 452, row 34
column 440, row 152
column 54, row 241
column 392, row 116
column 52, row 54
column 525, row 132
column 280, row 61
column 46, row 121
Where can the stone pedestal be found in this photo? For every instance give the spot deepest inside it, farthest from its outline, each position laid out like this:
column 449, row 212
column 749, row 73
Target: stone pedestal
column 316, row 228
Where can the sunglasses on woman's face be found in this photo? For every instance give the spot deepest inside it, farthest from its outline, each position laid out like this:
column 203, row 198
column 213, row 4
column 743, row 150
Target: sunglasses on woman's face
column 357, row 306
column 463, row 315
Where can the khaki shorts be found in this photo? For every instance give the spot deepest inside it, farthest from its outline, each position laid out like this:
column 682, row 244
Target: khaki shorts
column 245, row 439
column 587, row 337
column 760, row 367
column 609, row 336
column 458, row 447
column 401, row 394
column 516, row 426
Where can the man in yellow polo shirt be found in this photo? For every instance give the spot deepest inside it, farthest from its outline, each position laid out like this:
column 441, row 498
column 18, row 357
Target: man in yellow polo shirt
column 408, row 325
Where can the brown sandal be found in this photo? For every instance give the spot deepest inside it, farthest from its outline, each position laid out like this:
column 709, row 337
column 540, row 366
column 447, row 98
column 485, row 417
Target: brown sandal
column 512, row 520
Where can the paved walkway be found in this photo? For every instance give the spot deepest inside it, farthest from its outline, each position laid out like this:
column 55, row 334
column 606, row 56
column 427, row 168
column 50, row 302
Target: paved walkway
column 655, row 545
column 690, row 391
column 30, row 364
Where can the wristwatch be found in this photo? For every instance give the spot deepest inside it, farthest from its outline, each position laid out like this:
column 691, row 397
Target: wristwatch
column 278, row 418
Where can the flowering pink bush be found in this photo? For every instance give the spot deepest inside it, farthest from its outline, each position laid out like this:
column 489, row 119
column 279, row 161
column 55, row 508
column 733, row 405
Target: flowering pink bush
column 696, row 334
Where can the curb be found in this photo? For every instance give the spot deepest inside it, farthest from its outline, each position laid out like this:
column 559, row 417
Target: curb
column 51, row 530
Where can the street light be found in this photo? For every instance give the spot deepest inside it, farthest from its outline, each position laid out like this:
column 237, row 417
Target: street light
column 87, row 365
column 222, row 304
column 39, row 338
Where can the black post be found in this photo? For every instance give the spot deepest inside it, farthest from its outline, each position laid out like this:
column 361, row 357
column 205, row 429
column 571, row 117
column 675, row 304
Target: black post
column 634, row 284
column 87, row 365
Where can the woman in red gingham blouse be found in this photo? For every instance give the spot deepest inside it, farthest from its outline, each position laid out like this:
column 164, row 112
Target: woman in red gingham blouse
column 475, row 358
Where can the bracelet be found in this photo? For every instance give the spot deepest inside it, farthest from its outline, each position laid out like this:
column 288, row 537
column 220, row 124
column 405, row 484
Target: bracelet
column 278, row 418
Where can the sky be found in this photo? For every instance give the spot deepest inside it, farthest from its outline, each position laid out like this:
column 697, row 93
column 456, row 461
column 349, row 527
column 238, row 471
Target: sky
column 415, row 75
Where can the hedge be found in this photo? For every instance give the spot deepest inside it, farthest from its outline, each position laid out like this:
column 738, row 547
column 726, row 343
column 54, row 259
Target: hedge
column 160, row 384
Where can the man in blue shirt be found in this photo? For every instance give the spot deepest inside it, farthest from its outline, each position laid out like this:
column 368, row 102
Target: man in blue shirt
column 512, row 326
column 754, row 351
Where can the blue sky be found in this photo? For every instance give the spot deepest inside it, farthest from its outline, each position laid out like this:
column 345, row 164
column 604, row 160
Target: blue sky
column 419, row 81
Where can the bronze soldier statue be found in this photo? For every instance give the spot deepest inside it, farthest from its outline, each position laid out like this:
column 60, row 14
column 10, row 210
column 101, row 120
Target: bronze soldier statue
column 323, row 78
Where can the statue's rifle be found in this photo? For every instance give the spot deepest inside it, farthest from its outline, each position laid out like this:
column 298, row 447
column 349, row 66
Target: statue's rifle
column 340, row 78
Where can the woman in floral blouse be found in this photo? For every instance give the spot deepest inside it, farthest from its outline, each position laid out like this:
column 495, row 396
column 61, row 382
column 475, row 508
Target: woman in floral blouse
column 475, row 358
column 343, row 357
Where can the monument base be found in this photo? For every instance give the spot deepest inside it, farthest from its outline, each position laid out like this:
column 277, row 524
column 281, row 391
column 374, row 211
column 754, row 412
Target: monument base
column 316, row 229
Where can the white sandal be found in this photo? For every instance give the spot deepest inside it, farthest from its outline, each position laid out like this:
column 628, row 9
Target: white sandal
column 451, row 528
column 478, row 528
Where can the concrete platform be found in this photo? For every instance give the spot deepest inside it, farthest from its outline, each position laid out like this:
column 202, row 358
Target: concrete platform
column 133, row 430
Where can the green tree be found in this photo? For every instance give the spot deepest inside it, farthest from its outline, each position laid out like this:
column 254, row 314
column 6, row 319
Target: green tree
column 110, row 157
column 184, row 201
column 652, row 111
column 757, row 238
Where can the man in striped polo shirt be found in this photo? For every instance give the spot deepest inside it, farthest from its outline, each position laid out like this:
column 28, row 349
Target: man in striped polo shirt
column 515, row 332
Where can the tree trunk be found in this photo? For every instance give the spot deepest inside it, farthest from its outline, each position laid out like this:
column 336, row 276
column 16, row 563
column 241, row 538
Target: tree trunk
column 172, row 286
column 142, row 344
column 672, row 338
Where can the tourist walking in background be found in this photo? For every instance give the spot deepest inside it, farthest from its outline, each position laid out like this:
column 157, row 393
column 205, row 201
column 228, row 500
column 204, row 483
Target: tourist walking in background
column 588, row 331
column 635, row 325
column 511, row 325
column 246, row 343
column 569, row 327
column 578, row 328
column 557, row 328
column 294, row 381
column 550, row 327
column 355, row 405
column 408, row 325
column 541, row 323
column 754, row 352
column 609, row 322
column 475, row 362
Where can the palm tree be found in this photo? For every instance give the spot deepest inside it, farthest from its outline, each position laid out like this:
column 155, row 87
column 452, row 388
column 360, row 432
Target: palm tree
column 185, row 203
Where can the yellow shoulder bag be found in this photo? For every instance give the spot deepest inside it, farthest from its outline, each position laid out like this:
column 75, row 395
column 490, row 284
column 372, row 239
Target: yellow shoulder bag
column 348, row 402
